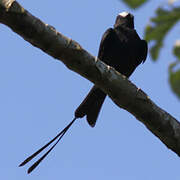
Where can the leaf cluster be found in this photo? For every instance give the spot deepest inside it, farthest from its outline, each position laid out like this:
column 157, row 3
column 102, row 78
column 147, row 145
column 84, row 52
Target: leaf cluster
column 155, row 32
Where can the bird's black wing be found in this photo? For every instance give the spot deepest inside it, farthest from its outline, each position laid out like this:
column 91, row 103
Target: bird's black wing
column 143, row 50
column 109, row 43
column 107, row 36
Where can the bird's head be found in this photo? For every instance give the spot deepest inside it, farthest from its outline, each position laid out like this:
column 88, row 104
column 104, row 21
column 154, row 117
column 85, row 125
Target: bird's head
column 125, row 19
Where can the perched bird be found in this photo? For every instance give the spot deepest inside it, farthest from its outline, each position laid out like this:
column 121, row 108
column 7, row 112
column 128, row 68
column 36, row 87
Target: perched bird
column 121, row 48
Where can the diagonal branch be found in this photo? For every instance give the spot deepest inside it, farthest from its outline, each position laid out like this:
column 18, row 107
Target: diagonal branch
column 125, row 94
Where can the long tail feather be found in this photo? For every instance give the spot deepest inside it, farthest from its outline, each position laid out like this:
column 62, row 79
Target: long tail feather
column 60, row 135
column 40, row 159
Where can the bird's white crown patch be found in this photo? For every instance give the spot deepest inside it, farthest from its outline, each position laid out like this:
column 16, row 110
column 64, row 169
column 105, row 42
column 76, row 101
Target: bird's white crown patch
column 123, row 14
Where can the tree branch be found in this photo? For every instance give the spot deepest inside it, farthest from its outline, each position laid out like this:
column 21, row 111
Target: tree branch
column 125, row 94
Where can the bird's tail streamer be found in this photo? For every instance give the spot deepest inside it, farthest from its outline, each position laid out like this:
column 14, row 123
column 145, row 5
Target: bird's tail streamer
column 59, row 136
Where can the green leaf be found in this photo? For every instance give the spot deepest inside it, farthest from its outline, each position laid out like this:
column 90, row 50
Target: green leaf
column 176, row 49
column 155, row 50
column 174, row 78
column 134, row 3
column 159, row 27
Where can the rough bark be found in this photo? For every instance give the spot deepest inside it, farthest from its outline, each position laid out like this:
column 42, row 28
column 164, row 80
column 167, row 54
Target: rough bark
column 125, row 94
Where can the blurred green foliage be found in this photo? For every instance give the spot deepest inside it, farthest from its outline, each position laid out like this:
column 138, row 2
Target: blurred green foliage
column 157, row 30
column 174, row 71
column 159, row 27
column 134, row 3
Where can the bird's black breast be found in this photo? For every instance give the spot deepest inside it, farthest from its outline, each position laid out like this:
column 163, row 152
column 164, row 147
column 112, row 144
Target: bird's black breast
column 121, row 48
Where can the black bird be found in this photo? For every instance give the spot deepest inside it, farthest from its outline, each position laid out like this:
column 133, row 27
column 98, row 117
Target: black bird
column 121, row 48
